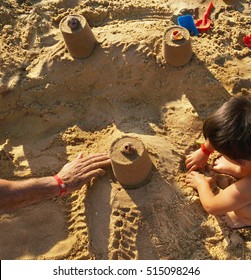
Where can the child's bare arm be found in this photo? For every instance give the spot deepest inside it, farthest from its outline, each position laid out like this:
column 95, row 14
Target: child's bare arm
column 232, row 198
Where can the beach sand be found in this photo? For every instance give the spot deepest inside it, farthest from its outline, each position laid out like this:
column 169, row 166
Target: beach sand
column 53, row 106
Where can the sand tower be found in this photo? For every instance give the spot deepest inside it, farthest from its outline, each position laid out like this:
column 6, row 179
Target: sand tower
column 131, row 163
column 78, row 36
column 177, row 49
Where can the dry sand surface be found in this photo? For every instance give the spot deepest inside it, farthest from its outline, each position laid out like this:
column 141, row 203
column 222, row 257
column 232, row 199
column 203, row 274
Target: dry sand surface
column 53, row 106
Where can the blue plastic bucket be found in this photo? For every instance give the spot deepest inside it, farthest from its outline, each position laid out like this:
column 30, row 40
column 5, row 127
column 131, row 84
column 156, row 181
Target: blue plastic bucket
column 187, row 22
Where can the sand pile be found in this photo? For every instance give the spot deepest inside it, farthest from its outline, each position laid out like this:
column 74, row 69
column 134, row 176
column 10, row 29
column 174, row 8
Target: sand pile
column 53, row 106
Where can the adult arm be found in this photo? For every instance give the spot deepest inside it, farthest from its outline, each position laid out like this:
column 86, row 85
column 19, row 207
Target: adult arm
column 74, row 175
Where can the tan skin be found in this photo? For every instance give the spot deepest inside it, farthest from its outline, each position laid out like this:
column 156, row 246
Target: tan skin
column 74, row 175
column 234, row 202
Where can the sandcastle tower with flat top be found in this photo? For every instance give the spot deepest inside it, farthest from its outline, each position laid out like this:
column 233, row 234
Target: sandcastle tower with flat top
column 131, row 163
column 177, row 49
column 78, row 36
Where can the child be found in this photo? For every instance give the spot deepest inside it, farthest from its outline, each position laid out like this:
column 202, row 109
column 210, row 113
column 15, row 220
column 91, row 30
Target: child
column 228, row 131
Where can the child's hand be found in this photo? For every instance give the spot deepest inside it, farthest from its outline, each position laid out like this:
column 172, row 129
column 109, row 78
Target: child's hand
column 196, row 160
column 195, row 179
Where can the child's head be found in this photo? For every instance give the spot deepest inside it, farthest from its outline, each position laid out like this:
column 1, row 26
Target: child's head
column 229, row 128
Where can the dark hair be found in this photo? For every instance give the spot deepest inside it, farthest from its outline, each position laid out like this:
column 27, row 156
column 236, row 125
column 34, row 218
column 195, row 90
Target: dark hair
column 229, row 128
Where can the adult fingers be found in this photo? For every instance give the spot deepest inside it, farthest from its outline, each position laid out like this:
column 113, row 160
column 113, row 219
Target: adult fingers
column 93, row 174
column 80, row 155
column 94, row 158
column 94, row 165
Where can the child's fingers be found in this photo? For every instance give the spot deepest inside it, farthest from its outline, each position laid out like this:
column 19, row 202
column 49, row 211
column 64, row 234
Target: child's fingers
column 193, row 168
column 188, row 157
column 188, row 179
column 188, row 176
column 188, row 162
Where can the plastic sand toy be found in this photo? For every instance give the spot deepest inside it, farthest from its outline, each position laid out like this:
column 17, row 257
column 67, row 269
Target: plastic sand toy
column 247, row 40
column 187, row 22
column 204, row 23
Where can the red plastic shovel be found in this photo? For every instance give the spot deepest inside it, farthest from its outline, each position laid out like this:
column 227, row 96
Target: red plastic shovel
column 204, row 23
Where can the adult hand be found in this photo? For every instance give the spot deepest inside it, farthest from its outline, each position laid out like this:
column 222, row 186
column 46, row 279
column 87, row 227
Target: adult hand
column 82, row 169
column 196, row 160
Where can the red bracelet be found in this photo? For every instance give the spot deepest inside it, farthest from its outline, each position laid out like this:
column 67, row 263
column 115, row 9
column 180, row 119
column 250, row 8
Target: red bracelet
column 62, row 187
column 205, row 150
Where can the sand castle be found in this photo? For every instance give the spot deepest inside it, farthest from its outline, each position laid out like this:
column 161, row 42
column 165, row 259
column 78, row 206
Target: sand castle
column 131, row 163
column 177, row 48
column 78, row 36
